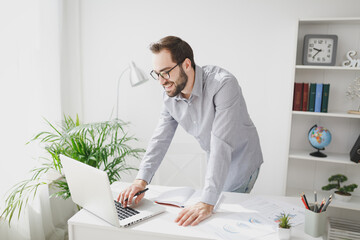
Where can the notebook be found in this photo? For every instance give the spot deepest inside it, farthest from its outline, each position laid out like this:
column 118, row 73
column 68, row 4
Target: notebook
column 182, row 197
column 90, row 188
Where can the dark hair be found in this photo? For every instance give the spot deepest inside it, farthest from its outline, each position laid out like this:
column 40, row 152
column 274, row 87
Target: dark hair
column 179, row 49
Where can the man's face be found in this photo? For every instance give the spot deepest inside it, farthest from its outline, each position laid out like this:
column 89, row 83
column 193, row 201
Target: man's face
column 162, row 63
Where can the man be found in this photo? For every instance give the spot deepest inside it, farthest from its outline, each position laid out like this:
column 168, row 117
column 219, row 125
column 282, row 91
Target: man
column 208, row 103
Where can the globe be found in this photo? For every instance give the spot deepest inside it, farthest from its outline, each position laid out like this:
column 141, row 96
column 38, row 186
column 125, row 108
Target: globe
column 319, row 138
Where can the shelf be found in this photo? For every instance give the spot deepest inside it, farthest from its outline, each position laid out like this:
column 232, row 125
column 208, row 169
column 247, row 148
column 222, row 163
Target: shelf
column 353, row 204
column 340, row 158
column 344, row 125
column 329, row 20
column 329, row 114
column 310, row 67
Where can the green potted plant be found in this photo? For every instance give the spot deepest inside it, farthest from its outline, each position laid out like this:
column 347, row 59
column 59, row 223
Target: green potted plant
column 343, row 192
column 284, row 229
column 102, row 145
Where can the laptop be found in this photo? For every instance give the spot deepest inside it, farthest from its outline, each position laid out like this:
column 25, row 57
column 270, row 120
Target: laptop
column 90, row 188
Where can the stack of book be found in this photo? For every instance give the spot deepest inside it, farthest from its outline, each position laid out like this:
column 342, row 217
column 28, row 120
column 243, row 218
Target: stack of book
column 340, row 229
column 312, row 97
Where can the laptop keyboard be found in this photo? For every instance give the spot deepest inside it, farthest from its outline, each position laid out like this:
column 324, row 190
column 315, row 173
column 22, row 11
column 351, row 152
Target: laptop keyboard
column 124, row 212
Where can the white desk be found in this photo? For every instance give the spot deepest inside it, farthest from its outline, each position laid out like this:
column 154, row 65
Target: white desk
column 85, row 225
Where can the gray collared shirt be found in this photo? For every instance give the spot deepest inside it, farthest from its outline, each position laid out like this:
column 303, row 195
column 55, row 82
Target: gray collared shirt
column 216, row 115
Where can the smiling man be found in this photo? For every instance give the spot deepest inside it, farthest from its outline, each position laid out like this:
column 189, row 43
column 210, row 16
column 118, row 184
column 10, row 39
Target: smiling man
column 208, row 103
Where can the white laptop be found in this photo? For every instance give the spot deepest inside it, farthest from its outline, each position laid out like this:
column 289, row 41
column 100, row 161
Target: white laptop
column 90, row 188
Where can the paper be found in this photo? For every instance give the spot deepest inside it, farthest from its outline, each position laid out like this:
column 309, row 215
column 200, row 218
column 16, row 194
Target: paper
column 254, row 218
column 177, row 197
column 272, row 209
column 182, row 197
column 234, row 226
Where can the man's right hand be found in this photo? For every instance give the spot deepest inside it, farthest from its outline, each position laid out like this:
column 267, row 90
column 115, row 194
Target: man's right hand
column 129, row 193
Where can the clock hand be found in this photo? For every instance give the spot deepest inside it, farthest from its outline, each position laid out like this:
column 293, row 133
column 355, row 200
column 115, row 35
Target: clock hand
column 316, row 54
column 319, row 50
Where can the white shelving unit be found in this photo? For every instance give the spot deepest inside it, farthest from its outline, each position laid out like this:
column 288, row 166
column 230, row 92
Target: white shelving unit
column 307, row 173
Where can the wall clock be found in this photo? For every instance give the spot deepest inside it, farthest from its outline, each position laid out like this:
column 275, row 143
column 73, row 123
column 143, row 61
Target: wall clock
column 320, row 49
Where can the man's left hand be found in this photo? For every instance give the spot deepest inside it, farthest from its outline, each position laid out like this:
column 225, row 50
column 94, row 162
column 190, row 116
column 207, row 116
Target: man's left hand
column 194, row 214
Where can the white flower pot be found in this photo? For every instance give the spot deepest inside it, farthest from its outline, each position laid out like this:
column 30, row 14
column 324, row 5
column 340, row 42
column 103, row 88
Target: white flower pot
column 342, row 198
column 284, row 233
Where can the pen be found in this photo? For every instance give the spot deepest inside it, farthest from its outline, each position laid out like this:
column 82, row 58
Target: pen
column 315, row 196
column 315, row 207
column 138, row 193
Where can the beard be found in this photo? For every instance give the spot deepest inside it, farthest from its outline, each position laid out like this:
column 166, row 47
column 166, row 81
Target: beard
column 179, row 83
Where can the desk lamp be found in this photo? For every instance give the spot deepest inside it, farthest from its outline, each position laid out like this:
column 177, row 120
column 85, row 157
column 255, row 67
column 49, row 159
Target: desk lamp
column 137, row 77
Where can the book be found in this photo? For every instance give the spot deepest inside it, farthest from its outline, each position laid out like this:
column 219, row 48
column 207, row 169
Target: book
column 325, row 98
column 318, row 97
column 297, row 102
column 305, row 97
column 312, row 92
column 181, row 197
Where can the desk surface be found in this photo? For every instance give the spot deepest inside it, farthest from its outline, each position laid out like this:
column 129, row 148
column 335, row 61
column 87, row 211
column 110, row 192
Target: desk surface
column 85, row 225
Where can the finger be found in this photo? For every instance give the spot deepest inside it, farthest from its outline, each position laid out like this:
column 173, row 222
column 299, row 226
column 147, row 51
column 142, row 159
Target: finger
column 197, row 220
column 124, row 197
column 131, row 196
column 190, row 219
column 121, row 196
column 138, row 199
column 181, row 214
column 185, row 217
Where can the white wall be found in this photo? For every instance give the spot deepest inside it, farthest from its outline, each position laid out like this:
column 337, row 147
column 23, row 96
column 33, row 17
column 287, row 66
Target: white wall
column 255, row 40
column 30, row 83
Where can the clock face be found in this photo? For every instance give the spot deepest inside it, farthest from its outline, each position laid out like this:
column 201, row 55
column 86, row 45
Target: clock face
column 319, row 49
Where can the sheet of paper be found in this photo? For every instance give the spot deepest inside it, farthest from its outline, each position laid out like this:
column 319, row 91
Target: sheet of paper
column 272, row 209
column 234, row 226
column 177, row 196
column 252, row 218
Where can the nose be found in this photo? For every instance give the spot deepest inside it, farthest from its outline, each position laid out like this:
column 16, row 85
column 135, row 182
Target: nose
column 162, row 80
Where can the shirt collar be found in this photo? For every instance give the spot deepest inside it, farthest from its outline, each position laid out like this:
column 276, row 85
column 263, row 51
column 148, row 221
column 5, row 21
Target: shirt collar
column 197, row 89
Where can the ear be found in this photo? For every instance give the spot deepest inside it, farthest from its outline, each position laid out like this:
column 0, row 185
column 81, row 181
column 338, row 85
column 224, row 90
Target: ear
column 186, row 64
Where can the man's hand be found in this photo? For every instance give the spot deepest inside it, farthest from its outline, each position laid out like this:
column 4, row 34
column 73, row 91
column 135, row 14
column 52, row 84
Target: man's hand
column 129, row 193
column 194, row 214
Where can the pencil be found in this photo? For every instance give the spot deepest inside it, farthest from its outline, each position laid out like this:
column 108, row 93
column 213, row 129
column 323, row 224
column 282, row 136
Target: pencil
column 302, row 199
column 306, row 201
column 327, row 203
column 322, row 205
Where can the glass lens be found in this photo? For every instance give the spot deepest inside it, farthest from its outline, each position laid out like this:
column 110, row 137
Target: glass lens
column 154, row 75
column 165, row 75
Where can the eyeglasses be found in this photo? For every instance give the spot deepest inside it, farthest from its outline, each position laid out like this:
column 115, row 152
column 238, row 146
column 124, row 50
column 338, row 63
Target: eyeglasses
column 163, row 74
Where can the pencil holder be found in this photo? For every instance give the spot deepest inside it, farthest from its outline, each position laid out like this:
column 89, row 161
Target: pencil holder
column 315, row 223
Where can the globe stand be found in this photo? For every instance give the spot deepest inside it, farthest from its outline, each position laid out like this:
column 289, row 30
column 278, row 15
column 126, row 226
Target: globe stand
column 318, row 153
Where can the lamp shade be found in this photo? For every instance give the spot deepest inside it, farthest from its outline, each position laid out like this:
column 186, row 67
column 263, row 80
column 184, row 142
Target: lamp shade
column 137, row 76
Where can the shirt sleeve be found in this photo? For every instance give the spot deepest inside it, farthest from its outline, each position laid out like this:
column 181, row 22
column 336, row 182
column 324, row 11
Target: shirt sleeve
column 158, row 146
column 227, row 101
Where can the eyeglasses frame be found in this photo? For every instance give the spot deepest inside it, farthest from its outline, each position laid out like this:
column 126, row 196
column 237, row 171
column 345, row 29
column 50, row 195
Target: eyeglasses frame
column 165, row 72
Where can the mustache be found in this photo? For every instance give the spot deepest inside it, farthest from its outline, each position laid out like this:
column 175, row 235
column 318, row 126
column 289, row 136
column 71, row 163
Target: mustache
column 167, row 83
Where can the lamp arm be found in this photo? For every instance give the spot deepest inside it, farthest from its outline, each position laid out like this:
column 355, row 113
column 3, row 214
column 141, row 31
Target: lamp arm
column 117, row 92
